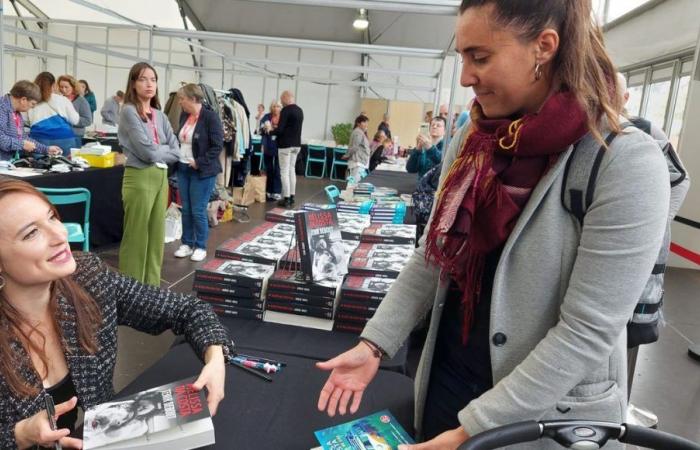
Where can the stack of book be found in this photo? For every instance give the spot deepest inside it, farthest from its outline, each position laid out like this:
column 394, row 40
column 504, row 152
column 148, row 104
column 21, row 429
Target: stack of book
column 288, row 292
column 280, row 215
column 389, row 233
column 355, row 206
column 233, row 288
column 388, row 211
column 265, row 244
column 292, row 260
column 359, row 299
column 364, row 189
column 352, row 225
column 379, row 260
column 317, row 206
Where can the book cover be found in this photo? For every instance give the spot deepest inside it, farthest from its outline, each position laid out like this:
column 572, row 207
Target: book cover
column 222, row 300
column 304, row 310
column 251, row 251
column 280, row 215
column 362, row 309
column 351, row 327
column 159, row 418
column 377, row 431
column 226, row 290
column 378, row 268
column 321, row 250
column 388, row 233
column 351, row 317
column 290, row 281
column 292, row 260
column 234, row 272
column 300, row 299
column 365, row 288
column 239, row 313
column 384, row 251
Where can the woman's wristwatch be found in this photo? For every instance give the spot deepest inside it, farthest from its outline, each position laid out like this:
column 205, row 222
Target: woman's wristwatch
column 377, row 351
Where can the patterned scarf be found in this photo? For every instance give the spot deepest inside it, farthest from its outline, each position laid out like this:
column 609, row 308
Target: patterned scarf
column 489, row 184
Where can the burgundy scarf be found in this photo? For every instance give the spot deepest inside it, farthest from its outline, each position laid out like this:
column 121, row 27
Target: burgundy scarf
column 488, row 185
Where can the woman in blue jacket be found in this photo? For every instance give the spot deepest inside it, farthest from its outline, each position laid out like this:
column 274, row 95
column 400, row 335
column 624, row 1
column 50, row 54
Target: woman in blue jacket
column 428, row 151
column 201, row 141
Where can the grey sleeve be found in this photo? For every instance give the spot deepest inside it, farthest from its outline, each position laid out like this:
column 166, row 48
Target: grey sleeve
column 85, row 113
column 109, row 112
column 171, row 149
column 680, row 180
column 412, row 295
column 618, row 247
column 354, row 145
column 140, row 144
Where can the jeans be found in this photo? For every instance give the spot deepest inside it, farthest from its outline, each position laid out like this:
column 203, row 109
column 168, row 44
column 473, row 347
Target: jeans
column 194, row 193
column 288, row 161
column 274, row 181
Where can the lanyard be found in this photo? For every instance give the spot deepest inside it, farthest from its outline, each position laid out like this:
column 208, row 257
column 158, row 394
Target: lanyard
column 189, row 127
column 152, row 123
column 18, row 124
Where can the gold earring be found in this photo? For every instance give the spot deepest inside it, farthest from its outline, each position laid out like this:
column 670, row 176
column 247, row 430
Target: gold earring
column 538, row 72
column 2, row 282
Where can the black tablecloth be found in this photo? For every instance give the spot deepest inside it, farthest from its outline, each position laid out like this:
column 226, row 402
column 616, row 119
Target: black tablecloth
column 404, row 182
column 280, row 415
column 106, row 211
column 318, row 345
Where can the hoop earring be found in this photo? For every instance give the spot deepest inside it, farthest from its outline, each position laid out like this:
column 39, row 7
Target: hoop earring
column 538, row 72
column 2, row 282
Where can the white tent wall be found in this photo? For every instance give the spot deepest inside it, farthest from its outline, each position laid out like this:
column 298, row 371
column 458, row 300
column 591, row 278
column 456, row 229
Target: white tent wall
column 669, row 27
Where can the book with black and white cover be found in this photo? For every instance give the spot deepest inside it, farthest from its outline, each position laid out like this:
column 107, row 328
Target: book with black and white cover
column 380, row 268
column 239, row 313
column 304, row 310
column 290, row 281
column 365, row 288
column 351, row 317
column 250, row 251
column 352, row 225
column 233, row 302
column 292, row 260
column 386, row 251
column 321, row 250
column 300, row 299
column 234, row 272
column 225, row 289
column 280, row 215
column 389, row 233
column 317, row 206
column 166, row 417
column 362, row 309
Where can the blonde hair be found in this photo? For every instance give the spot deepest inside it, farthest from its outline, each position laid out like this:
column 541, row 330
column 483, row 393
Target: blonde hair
column 70, row 80
column 274, row 103
column 192, row 91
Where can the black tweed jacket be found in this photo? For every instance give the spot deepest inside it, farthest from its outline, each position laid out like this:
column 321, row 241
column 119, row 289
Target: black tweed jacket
column 124, row 301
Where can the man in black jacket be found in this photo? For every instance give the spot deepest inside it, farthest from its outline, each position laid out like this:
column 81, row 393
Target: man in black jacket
column 288, row 133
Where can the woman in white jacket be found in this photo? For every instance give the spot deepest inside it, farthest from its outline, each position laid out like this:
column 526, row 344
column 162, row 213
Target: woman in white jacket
column 52, row 120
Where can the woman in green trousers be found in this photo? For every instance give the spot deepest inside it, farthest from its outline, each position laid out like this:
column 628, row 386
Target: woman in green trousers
column 149, row 143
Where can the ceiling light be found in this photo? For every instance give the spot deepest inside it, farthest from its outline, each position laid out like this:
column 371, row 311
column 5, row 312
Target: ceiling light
column 361, row 22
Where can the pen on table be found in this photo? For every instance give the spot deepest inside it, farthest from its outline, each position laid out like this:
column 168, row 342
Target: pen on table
column 258, row 358
column 51, row 412
column 253, row 371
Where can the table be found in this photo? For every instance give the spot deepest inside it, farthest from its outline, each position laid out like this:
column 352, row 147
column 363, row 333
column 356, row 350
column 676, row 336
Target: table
column 280, row 415
column 106, row 211
column 404, row 182
column 309, row 343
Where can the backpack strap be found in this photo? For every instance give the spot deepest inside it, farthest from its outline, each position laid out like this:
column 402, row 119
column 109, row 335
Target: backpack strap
column 580, row 176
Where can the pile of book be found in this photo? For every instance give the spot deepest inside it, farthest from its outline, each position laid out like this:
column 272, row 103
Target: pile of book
column 352, row 225
column 389, row 233
column 265, row 244
column 355, row 206
column 359, row 299
column 364, row 189
column 388, row 211
column 317, row 206
column 288, row 292
column 233, row 288
column 280, row 215
column 379, row 260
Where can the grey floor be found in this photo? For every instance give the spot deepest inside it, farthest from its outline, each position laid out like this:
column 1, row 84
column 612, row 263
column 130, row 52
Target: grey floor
column 666, row 381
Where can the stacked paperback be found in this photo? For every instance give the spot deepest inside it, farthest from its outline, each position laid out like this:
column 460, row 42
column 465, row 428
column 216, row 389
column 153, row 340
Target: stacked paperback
column 352, row 225
column 389, row 233
column 233, row 288
column 280, row 215
column 265, row 244
column 359, row 299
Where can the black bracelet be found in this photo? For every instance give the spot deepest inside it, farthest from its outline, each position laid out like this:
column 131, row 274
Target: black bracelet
column 377, row 351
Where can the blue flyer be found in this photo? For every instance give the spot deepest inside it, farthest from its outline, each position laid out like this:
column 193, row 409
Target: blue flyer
column 379, row 431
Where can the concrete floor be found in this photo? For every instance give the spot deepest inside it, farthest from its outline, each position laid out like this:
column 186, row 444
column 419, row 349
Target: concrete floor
column 667, row 381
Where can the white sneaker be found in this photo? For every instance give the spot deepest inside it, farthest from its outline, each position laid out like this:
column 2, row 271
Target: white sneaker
column 183, row 251
column 276, row 196
column 198, row 255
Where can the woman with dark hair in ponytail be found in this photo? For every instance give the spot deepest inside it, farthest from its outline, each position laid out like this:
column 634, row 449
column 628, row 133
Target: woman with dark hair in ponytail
column 529, row 307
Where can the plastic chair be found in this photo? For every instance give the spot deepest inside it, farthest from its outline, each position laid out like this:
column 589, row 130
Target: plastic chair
column 338, row 161
column 69, row 196
column 333, row 193
column 315, row 154
column 256, row 141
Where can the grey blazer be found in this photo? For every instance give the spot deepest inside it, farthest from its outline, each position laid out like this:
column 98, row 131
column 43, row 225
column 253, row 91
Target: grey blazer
column 83, row 107
column 136, row 139
column 561, row 296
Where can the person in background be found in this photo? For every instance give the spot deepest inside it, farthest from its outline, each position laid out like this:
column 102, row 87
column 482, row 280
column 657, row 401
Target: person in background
column 51, row 121
column 384, row 126
column 110, row 110
column 273, row 183
column 428, row 116
column 358, row 153
column 461, row 120
column 201, row 140
column 288, row 134
column 60, row 313
column 529, row 307
column 23, row 96
column 149, row 144
column 444, row 111
column 428, row 151
column 258, row 117
column 68, row 86
column 378, row 140
column 85, row 91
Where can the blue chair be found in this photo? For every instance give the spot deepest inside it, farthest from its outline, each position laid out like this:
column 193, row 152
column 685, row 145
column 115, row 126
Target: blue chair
column 69, row 196
column 257, row 151
column 333, row 193
column 338, row 153
column 315, row 154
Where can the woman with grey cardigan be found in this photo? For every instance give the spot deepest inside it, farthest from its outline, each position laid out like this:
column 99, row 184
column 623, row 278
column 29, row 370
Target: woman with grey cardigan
column 149, row 144
column 358, row 151
column 69, row 88
column 528, row 308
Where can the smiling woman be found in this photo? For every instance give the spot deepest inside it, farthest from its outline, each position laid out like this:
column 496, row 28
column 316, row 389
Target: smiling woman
column 58, row 323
